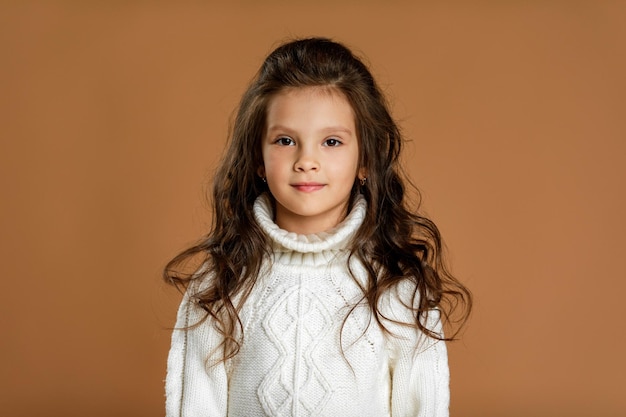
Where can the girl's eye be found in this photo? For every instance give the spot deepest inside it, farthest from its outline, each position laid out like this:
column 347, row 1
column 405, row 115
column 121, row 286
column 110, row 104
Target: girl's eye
column 284, row 141
column 332, row 142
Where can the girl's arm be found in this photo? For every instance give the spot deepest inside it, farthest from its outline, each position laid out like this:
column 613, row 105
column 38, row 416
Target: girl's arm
column 418, row 365
column 194, row 385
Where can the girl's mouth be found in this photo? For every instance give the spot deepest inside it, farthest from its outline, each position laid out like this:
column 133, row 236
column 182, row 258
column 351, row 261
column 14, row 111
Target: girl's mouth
column 308, row 187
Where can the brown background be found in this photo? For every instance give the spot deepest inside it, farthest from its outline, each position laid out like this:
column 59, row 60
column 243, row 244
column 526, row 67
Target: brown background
column 114, row 113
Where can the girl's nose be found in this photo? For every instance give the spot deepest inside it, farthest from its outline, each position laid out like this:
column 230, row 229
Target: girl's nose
column 306, row 161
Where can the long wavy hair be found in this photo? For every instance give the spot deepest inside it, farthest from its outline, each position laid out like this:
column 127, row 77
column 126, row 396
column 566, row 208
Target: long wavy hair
column 395, row 243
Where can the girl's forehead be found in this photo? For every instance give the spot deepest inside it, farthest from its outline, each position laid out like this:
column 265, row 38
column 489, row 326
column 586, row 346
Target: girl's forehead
column 323, row 90
column 310, row 106
column 311, row 94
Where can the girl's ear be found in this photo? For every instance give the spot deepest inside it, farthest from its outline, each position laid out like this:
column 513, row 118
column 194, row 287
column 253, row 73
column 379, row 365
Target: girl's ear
column 261, row 171
column 362, row 174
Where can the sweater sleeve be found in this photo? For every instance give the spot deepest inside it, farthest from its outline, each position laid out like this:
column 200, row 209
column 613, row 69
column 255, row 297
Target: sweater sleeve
column 194, row 386
column 418, row 366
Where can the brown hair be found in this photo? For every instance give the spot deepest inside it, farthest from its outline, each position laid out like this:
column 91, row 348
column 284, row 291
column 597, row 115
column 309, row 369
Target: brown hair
column 395, row 243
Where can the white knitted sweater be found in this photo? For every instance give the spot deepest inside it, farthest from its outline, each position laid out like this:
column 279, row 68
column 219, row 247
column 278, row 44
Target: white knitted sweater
column 299, row 358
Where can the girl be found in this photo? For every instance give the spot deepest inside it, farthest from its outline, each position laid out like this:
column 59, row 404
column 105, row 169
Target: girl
column 317, row 291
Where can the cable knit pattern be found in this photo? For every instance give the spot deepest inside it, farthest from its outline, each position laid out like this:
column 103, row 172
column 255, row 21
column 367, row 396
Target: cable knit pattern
column 301, row 356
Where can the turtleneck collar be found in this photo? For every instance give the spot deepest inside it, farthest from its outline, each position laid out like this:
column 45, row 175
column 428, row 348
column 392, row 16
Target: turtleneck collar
column 312, row 248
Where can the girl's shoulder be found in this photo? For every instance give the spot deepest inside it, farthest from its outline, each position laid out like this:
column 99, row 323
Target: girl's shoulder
column 400, row 301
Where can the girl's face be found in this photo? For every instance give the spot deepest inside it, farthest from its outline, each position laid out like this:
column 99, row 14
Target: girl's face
column 310, row 158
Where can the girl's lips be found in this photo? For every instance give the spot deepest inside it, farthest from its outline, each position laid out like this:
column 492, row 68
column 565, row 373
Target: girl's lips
column 308, row 187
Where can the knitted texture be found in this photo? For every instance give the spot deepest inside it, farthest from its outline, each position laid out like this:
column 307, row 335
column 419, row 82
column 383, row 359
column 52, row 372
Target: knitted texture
column 311, row 346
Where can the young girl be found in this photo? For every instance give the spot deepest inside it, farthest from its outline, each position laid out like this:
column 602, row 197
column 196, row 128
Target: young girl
column 318, row 292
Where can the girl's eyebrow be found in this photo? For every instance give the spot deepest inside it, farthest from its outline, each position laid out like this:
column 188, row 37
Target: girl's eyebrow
column 280, row 128
column 335, row 129
column 326, row 130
